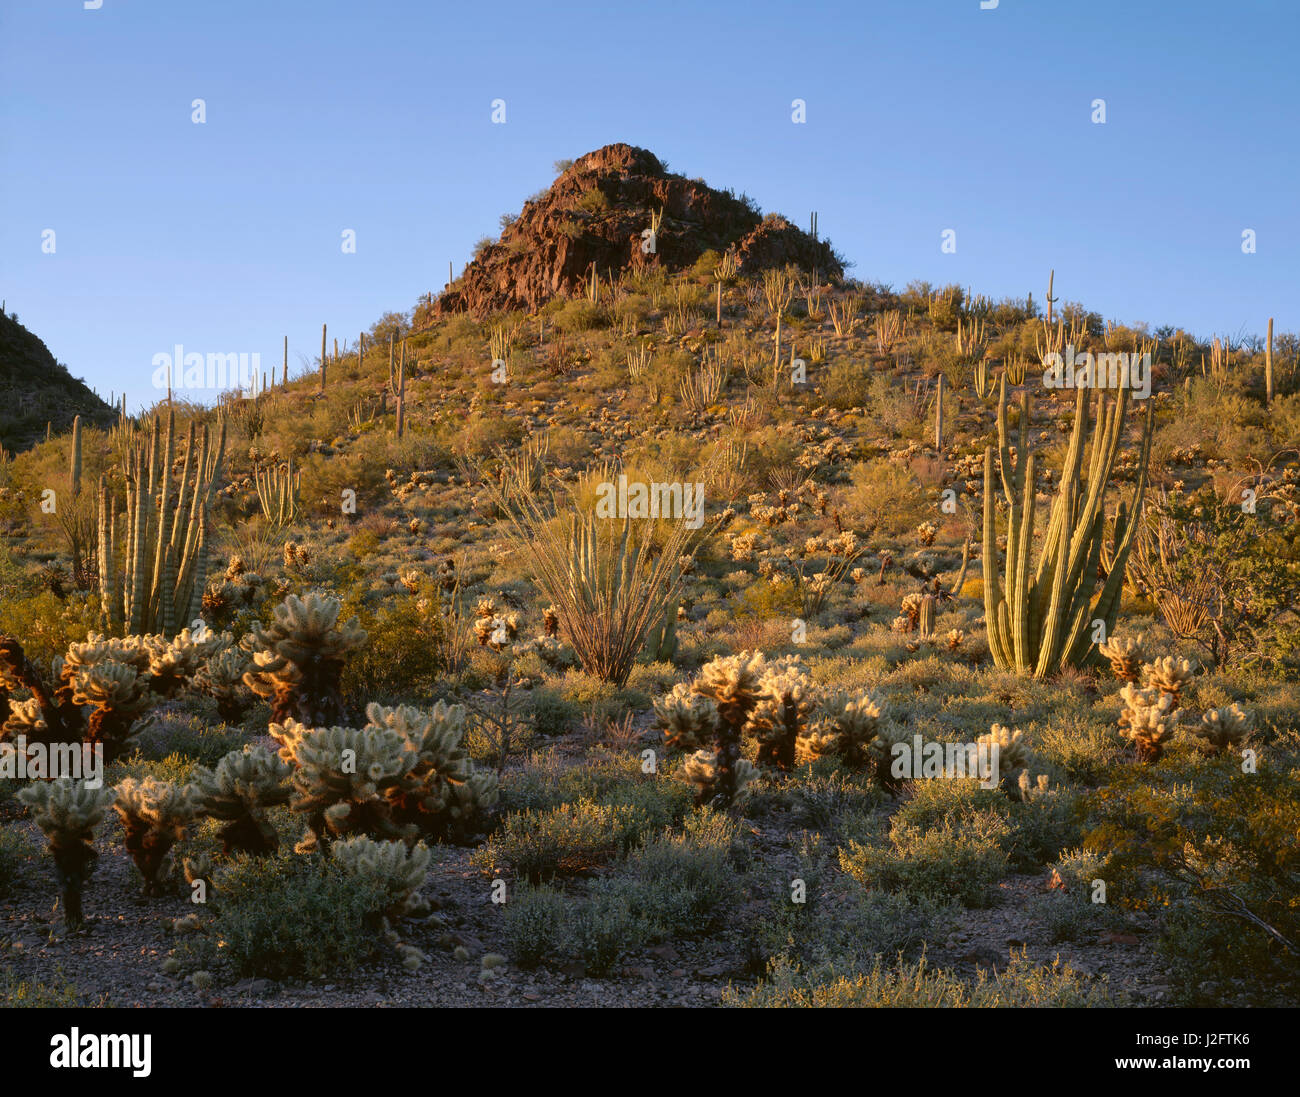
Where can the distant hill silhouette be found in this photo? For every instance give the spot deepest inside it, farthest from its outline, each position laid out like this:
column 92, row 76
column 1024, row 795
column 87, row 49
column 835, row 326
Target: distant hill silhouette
column 36, row 390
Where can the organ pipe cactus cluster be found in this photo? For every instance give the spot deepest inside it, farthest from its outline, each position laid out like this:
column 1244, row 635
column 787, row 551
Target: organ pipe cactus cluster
column 67, row 813
column 298, row 659
column 154, row 815
column 1042, row 618
column 244, row 784
column 163, row 546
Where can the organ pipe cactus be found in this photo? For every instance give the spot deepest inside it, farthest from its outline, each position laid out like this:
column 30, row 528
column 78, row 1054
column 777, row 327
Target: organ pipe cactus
column 67, row 812
column 154, row 815
column 1043, row 618
column 277, row 491
column 298, row 659
column 164, row 543
column 244, row 784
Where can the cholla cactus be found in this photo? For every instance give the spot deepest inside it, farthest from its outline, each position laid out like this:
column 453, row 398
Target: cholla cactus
column 342, row 778
column 174, row 662
column 955, row 639
column 1035, row 790
column 926, row 533
column 1013, row 749
column 1126, row 656
column 550, row 622
column 1223, row 729
column 1149, row 719
column 848, row 726
column 399, row 869
column 130, row 651
column 733, row 685
column 688, row 720
column 222, row 678
column 298, row 660
column 245, row 783
column 712, row 784
column 440, row 793
column 154, row 815
column 781, row 716
column 1169, row 675
column 117, row 695
column 67, row 812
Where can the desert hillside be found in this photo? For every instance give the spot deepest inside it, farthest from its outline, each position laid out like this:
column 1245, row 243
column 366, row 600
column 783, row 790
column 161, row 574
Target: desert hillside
column 621, row 640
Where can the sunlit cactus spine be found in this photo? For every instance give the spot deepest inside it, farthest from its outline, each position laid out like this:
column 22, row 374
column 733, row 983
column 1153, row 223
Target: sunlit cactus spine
column 733, row 685
column 342, row 778
column 688, row 720
column 1126, row 656
column 154, row 816
column 1223, row 729
column 1170, row 675
column 298, row 659
column 67, row 813
column 1148, row 721
column 238, row 792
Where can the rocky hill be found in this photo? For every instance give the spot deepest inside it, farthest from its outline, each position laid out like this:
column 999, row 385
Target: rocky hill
column 599, row 210
column 36, row 390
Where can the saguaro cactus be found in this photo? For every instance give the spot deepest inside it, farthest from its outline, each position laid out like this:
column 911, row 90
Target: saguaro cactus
column 1043, row 620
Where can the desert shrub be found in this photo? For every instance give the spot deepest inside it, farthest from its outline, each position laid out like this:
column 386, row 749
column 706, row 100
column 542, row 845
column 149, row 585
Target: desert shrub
column 567, row 840
column 1212, row 849
column 884, row 499
column 599, row 930
column 938, row 864
column 16, row 851
column 290, row 916
column 551, row 713
column 47, row 625
column 400, row 659
column 189, row 737
column 20, row 994
column 828, row 795
column 847, row 385
column 580, row 314
column 682, row 884
column 534, row 921
column 1020, row 985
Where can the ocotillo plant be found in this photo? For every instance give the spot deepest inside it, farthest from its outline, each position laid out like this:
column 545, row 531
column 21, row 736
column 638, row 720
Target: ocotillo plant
column 165, row 562
column 1045, row 620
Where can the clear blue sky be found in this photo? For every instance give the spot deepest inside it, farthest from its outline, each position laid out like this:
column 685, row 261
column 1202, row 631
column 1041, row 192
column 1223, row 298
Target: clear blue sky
column 922, row 115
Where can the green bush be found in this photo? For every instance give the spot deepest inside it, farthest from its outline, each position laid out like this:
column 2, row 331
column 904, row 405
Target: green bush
column 1020, row 985
column 567, row 840
column 291, row 916
column 601, row 929
column 16, row 850
column 962, row 863
column 535, row 925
